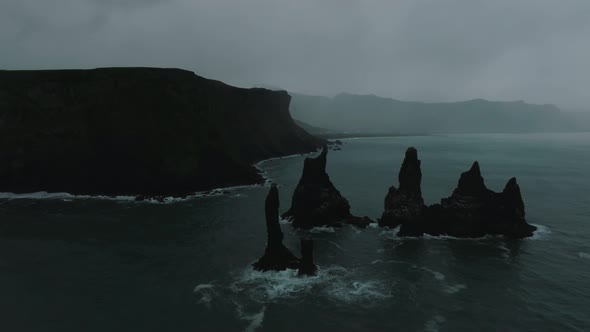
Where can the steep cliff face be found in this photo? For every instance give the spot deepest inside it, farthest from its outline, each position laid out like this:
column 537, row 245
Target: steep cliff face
column 137, row 131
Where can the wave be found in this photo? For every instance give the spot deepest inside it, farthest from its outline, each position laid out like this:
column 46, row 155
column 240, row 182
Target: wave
column 255, row 319
column 284, row 221
column 207, row 292
column 67, row 197
column 337, row 246
column 335, row 282
column 62, row 195
column 541, row 233
column 437, row 275
column 322, row 229
column 584, row 255
column 452, row 289
column 432, row 325
column 359, row 291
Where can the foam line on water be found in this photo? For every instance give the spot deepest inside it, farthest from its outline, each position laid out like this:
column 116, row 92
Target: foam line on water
column 207, row 292
column 255, row 319
column 437, row 275
column 452, row 289
column 336, row 283
column 67, row 197
column 337, row 246
column 322, row 229
column 433, row 324
column 541, row 233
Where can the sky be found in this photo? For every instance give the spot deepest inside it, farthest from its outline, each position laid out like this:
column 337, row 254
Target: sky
column 427, row 50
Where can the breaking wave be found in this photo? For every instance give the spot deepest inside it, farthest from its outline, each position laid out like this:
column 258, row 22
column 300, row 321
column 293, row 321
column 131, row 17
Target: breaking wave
column 335, row 282
column 542, row 232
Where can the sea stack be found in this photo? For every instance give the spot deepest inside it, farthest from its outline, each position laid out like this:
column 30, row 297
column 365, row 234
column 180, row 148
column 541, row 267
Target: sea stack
column 316, row 202
column 472, row 210
column 405, row 204
column 276, row 256
column 307, row 266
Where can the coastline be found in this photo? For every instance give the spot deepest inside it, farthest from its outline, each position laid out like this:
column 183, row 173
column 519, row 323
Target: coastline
column 164, row 199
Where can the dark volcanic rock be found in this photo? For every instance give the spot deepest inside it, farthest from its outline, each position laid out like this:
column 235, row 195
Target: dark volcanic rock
column 316, row 202
column 406, row 203
column 276, row 256
column 471, row 184
column 307, row 266
column 137, row 131
column 472, row 210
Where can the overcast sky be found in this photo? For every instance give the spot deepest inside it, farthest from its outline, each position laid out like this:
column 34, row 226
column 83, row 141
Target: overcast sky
column 430, row 50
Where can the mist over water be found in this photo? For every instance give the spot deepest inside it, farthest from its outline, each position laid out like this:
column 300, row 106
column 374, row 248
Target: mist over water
column 185, row 266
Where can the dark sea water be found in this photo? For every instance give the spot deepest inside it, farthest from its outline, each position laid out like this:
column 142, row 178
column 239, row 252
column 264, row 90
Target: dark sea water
column 81, row 264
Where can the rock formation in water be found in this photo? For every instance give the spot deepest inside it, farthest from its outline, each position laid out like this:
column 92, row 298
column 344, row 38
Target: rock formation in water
column 406, row 203
column 471, row 211
column 276, row 256
column 307, row 266
column 140, row 131
column 316, row 202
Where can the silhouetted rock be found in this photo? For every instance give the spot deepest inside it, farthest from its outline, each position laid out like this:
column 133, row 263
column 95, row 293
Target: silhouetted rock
column 406, row 203
column 307, row 266
column 138, row 131
column 471, row 184
column 316, row 202
column 471, row 211
column 276, row 256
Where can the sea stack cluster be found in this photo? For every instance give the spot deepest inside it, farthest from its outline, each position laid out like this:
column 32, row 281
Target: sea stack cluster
column 471, row 211
column 316, row 202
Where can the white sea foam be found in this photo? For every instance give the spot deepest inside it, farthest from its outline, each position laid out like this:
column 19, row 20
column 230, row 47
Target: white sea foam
column 67, row 197
column 389, row 234
column 432, row 325
column 273, row 285
column 506, row 251
column 337, row 246
column 541, row 233
column 377, row 261
column 63, row 196
column 373, row 225
column 452, row 289
column 206, row 291
column 255, row 319
column 337, row 283
column 322, row 229
column 358, row 291
column 437, row 275
column 584, row 255
column 283, row 221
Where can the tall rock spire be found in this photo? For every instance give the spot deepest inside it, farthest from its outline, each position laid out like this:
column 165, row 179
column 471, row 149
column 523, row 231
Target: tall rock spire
column 276, row 256
column 406, row 203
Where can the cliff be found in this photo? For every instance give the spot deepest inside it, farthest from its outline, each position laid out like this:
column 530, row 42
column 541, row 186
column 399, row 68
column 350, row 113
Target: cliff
column 137, row 131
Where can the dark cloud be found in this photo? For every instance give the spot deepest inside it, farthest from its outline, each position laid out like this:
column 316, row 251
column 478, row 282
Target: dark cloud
column 535, row 50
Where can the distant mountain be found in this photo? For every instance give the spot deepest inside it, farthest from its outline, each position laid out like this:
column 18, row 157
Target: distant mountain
column 373, row 114
column 142, row 131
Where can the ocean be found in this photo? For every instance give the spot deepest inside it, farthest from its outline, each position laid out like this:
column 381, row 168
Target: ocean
column 70, row 263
